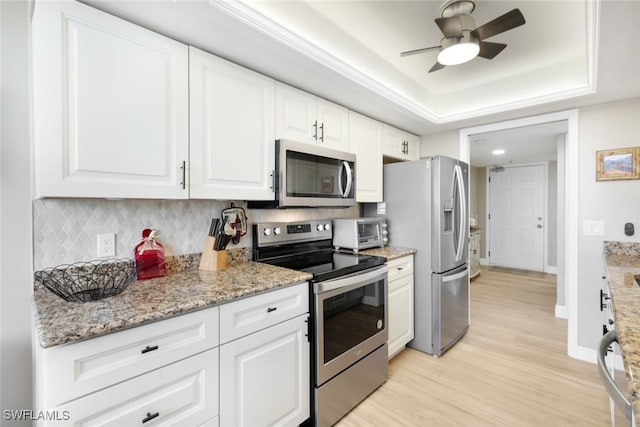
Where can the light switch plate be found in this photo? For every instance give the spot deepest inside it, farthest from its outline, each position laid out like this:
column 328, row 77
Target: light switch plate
column 593, row 228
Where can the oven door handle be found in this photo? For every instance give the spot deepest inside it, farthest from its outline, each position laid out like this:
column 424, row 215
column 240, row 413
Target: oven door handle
column 351, row 280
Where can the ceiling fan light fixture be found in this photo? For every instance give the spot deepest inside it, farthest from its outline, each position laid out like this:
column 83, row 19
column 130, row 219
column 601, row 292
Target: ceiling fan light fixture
column 457, row 51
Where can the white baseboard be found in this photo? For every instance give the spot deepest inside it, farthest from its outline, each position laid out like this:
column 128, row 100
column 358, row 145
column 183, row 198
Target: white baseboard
column 591, row 356
column 562, row 312
column 585, row 354
column 551, row 269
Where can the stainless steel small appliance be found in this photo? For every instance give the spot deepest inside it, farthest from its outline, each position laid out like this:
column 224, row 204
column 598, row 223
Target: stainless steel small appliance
column 308, row 175
column 349, row 312
column 359, row 233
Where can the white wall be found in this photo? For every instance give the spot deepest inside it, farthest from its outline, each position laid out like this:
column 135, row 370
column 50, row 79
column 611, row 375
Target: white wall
column 602, row 127
column 443, row 143
column 15, row 211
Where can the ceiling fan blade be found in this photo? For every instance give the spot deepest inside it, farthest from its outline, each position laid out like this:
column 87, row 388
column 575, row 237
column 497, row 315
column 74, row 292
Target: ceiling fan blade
column 437, row 66
column 450, row 27
column 499, row 25
column 417, row 51
column 489, row 50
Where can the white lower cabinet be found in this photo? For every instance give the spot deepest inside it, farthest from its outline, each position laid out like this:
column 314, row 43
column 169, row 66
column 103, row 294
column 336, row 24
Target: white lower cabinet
column 175, row 372
column 184, row 393
column 264, row 377
column 400, row 302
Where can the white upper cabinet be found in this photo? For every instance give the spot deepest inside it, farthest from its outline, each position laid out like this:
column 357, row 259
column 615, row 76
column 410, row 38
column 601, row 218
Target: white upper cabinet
column 400, row 144
column 303, row 117
column 110, row 106
column 232, row 136
column 365, row 138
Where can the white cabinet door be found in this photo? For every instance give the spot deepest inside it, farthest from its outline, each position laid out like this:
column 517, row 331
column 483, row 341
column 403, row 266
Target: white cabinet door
column 264, row 377
column 400, row 313
column 232, row 152
column 295, row 114
column 333, row 131
column 400, row 145
column 110, row 106
column 365, row 139
column 303, row 117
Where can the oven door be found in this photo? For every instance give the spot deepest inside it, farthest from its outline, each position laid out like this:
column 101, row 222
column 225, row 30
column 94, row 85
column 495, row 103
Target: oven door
column 351, row 320
column 314, row 176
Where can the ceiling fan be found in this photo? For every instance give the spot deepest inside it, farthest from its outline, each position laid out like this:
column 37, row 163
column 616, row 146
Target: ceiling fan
column 461, row 42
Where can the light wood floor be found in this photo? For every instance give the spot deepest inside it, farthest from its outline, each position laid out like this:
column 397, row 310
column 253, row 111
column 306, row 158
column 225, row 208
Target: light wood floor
column 510, row 369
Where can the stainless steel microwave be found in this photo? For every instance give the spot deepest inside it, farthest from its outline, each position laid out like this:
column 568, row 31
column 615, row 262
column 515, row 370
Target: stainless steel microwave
column 310, row 175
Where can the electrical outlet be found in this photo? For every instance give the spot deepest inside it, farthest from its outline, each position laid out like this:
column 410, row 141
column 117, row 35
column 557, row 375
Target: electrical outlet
column 106, row 245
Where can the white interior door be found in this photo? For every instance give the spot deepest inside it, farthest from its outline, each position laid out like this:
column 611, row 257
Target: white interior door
column 516, row 215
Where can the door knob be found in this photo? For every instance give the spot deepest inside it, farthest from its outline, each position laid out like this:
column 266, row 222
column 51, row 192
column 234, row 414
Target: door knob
column 539, row 218
column 539, row 225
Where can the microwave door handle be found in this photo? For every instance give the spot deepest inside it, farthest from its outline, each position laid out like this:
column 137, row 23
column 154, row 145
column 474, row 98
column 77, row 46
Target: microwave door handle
column 340, row 189
column 349, row 179
column 463, row 210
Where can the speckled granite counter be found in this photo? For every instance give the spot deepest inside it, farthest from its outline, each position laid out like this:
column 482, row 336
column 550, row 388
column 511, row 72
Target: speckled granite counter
column 58, row 321
column 389, row 252
column 622, row 262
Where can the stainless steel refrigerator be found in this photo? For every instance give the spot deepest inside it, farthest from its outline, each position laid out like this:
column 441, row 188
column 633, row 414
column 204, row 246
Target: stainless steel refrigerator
column 425, row 204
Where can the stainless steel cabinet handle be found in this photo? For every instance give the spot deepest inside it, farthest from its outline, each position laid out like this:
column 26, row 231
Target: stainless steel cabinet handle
column 183, row 168
column 315, row 130
column 322, row 132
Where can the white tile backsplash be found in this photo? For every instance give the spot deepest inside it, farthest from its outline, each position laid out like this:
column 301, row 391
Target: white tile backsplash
column 65, row 230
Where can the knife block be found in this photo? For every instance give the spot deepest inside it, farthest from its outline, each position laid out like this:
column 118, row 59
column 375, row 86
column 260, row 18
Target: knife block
column 211, row 259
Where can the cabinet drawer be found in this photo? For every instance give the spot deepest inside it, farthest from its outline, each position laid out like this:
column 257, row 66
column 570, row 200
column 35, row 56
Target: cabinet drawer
column 77, row 369
column 400, row 267
column 183, row 393
column 248, row 315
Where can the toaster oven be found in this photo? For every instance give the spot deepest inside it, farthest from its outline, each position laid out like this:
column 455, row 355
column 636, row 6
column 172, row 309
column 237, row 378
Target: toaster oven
column 359, row 233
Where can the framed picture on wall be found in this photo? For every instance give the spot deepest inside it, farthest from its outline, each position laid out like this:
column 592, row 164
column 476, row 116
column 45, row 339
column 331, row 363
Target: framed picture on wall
column 621, row 163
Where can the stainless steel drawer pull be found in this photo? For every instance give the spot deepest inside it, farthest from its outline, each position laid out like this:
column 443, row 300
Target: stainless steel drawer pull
column 270, row 309
column 147, row 349
column 400, row 268
column 150, row 416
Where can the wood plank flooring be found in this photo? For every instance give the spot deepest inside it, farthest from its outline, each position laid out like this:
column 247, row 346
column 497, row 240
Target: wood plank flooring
column 510, row 369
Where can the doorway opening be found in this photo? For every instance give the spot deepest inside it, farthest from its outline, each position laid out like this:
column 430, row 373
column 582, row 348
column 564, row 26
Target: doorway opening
column 567, row 269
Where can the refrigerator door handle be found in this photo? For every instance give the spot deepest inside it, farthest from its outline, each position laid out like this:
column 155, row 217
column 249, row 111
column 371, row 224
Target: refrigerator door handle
column 455, row 276
column 463, row 212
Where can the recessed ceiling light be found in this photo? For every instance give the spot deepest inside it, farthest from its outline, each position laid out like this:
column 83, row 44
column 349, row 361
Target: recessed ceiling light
column 498, row 152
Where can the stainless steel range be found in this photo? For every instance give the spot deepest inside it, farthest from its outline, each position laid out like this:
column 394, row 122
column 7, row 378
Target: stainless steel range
column 349, row 312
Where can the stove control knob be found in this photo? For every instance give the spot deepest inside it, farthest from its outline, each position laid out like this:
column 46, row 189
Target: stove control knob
column 319, row 227
column 327, row 227
column 277, row 231
column 267, row 232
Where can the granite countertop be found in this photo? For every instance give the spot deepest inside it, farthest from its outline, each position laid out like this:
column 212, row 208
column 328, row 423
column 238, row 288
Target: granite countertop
column 58, row 321
column 622, row 262
column 389, row 252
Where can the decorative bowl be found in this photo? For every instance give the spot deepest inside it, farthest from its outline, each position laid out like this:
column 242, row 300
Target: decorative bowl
column 88, row 281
